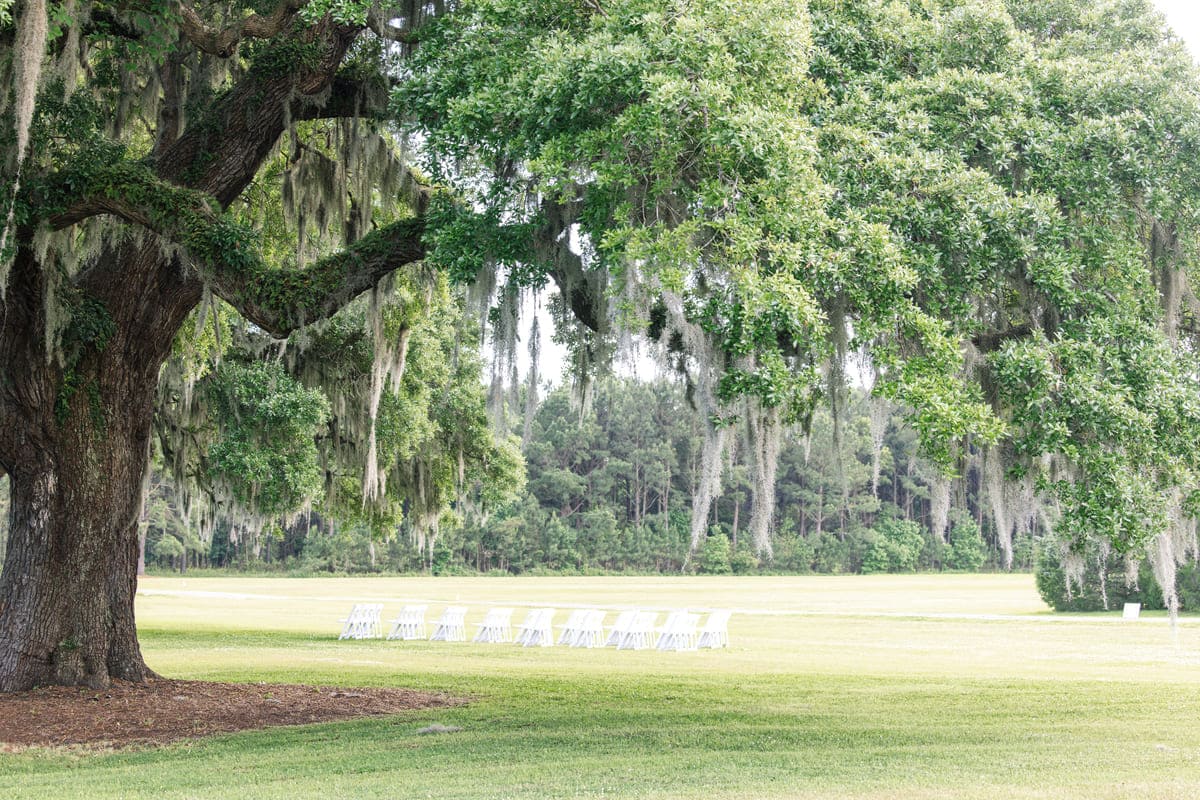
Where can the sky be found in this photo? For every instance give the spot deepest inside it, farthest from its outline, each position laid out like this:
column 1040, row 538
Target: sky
column 1184, row 17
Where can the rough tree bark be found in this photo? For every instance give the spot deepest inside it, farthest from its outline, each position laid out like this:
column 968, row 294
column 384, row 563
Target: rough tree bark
column 66, row 595
column 75, row 437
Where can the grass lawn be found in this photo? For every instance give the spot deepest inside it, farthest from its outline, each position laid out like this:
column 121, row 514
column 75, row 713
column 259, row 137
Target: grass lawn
column 866, row 687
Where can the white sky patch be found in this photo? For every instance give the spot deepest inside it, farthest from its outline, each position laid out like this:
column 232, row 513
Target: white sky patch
column 639, row 363
column 1184, row 18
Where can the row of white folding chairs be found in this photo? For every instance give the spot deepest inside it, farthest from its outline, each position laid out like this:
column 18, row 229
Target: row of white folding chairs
column 633, row 629
column 637, row 630
column 365, row 622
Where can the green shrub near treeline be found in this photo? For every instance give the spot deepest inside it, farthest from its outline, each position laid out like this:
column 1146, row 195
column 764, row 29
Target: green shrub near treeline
column 1106, row 585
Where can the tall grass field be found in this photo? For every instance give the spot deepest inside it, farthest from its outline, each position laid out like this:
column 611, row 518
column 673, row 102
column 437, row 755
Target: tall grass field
column 941, row 686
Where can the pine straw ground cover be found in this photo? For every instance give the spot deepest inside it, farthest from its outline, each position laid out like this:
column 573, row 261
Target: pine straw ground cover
column 164, row 711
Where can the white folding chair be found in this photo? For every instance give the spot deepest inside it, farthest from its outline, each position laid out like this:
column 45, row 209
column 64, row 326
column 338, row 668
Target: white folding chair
column 527, row 625
column 364, row 622
column 410, row 624
column 620, row 627
column 350, row 624
column 715, row 632
column 536, row 630
column 374, row 623
column 678, row 633
column 641, row 633
column 571, row 629
column 591, row 630
column 451, row 627
column 496, row 626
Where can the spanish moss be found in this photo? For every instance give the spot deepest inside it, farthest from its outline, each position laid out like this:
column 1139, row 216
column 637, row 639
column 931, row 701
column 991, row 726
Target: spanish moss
column 766, row 434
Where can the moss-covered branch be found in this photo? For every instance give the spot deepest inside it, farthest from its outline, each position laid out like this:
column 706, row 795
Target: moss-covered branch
column 223, row 42
column 361, row 96
column 226, row 254
column 280, row 301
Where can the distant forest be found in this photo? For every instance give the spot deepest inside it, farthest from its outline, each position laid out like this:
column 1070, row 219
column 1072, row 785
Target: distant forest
column 609, row 489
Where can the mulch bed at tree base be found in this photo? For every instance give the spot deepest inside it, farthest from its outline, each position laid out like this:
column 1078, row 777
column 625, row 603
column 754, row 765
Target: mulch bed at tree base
column 161, row 711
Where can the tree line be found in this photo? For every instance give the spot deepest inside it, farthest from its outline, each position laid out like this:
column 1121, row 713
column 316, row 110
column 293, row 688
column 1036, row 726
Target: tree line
column 609, row 488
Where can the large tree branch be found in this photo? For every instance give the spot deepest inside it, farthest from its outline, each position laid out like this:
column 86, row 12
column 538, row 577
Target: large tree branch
column 221, row 152
column 225, row 254
column 223, row 42
column 348, row 97
column 281, row 301
column 130, row 191
column 583, row 289
column 65, row 206
column 991, row 341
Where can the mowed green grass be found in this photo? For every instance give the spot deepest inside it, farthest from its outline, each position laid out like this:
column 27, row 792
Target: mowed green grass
column 866, row 687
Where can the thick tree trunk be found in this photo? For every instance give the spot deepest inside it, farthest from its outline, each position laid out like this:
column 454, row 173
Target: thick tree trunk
column 76, row 448
column 69, row 577
column 70, row 573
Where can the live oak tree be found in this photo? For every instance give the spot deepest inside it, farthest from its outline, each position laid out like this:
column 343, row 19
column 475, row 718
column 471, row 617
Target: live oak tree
column 992, row 202
column 151, row 121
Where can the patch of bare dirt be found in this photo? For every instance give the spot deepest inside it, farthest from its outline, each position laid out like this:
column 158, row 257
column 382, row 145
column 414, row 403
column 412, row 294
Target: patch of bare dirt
column 162, row 711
